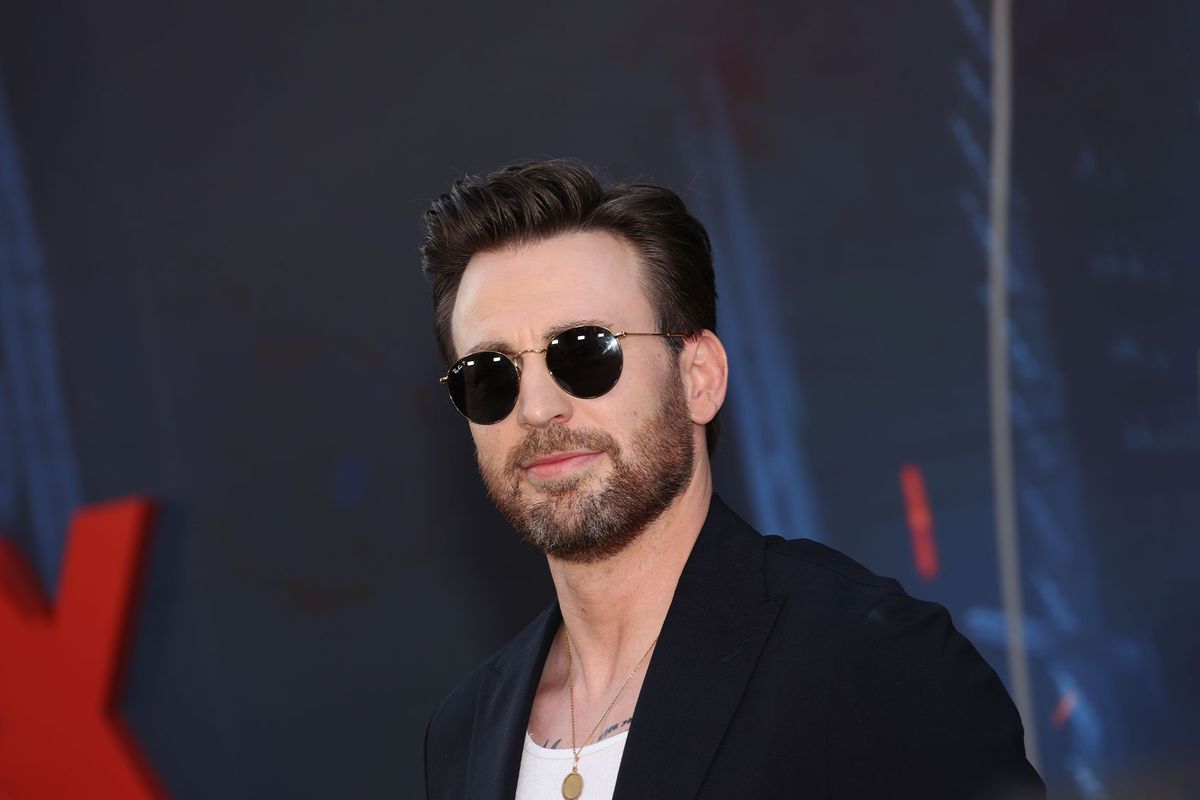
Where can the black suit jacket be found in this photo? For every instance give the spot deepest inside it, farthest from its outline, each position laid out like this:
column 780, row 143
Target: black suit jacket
column 784, row 669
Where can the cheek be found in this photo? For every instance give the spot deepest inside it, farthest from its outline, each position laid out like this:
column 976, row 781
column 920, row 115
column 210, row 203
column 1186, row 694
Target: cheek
column 490, row 444
column 495, row 444
column 647, row 378
column 636, row 396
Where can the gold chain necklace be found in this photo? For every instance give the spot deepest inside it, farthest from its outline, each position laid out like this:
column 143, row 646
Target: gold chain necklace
column 572, row 785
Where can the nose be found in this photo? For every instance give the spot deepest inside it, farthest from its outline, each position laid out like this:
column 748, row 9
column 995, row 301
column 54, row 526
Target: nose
column 541, row 401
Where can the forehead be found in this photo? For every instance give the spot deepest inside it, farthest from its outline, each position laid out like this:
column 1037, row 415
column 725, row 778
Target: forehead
column 513, row 295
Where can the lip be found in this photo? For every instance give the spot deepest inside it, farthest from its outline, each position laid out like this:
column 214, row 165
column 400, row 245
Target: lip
column 556, row 465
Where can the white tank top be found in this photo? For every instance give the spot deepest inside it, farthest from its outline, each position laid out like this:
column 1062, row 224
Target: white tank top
column 543, row 770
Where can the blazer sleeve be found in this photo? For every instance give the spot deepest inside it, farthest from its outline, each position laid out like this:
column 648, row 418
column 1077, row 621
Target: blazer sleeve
column 915, row 711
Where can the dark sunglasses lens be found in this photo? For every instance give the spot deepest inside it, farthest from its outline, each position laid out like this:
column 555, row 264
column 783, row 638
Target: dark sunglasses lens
column 585, row 361
column 483, row 387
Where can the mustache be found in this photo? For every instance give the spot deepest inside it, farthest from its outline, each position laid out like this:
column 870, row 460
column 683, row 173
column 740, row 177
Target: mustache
column 539, row 442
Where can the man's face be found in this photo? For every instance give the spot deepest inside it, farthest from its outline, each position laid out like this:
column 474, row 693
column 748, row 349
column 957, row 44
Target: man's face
column 579, row 479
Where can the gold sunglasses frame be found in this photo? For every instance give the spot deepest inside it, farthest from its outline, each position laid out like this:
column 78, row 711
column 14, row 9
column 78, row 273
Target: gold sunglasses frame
column 513, row 358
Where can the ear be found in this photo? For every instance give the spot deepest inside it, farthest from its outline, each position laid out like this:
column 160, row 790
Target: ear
column 704, row 369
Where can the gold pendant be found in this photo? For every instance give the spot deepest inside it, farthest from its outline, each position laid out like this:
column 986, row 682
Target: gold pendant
column 572, row 785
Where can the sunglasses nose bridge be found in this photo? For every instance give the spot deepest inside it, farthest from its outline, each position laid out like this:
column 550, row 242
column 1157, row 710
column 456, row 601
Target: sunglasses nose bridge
column 541, row 399
column 520, row 353
column 518, row 360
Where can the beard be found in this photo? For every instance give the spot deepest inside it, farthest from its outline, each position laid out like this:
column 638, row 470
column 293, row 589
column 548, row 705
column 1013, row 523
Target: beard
column 574, row 523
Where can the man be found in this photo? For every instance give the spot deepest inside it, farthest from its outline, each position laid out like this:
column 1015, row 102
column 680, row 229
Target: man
column 685, row 656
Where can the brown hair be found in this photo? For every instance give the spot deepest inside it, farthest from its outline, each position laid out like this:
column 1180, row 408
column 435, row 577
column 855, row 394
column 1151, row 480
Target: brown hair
column 529, row 202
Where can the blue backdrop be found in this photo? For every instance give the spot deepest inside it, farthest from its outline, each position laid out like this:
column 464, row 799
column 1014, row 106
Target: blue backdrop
column 210, row 293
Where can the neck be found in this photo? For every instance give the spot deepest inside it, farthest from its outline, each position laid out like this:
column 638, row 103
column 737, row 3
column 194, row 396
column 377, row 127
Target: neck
column 615, row 608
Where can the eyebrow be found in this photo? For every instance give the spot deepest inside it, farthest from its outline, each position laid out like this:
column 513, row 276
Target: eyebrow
column 503, row 345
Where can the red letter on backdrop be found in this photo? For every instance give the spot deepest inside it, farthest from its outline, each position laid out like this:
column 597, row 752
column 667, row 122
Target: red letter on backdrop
column 920, row 521
column 60, row 734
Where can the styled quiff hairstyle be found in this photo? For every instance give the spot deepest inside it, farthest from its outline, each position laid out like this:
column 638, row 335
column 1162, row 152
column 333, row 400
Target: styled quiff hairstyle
column 527, row 203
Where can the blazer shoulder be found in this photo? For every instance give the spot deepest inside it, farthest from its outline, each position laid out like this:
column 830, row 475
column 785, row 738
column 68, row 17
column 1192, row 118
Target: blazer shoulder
column 794, row 563
column 448, row 734
column 910, row 695
column 872, row 610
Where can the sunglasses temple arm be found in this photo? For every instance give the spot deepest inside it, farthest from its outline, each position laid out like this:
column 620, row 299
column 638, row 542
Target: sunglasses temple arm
column 623, row 334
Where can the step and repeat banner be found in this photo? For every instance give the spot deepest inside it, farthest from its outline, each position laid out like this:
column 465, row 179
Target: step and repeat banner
column 245, row 549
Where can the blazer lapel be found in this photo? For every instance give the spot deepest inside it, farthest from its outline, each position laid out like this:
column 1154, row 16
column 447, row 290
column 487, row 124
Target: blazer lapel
column 718, row 622
column 505, row 700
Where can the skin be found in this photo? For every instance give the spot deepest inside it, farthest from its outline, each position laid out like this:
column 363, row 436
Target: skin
column 614, row 608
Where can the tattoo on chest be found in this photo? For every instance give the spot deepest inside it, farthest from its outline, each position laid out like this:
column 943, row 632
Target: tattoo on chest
column 615, row 728
column 609, row 731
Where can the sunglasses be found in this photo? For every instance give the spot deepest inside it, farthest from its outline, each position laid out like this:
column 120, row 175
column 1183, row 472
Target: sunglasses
column 585, row 361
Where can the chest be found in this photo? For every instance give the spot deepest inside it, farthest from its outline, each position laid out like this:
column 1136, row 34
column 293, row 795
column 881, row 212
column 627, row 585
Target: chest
column 596, row 718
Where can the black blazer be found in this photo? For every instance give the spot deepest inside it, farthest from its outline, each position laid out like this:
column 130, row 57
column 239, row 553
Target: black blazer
column 784, row 669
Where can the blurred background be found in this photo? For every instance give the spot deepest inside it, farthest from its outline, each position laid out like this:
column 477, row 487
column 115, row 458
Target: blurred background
column 210, row 295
